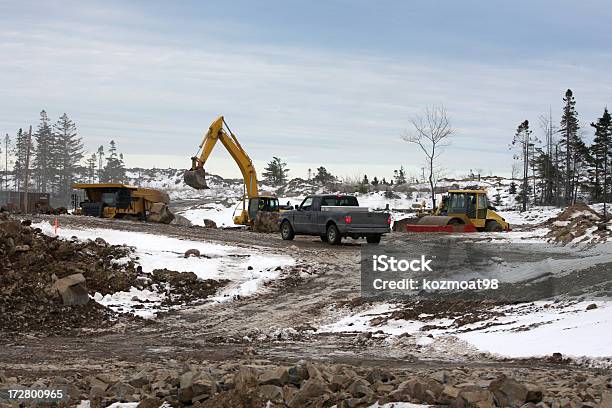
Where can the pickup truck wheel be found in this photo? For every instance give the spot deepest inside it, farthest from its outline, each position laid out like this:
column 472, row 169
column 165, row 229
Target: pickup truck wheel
column 287, row 232
column 373, row 239
column 324, row 238
column 333, row 235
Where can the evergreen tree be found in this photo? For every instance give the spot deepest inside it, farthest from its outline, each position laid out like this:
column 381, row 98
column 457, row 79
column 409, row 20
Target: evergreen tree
column 43, row 152
column 67, row 155
column 522, row 142
column 399, row 176
column 375, row 181
column 323, row 177
column 114, row 171
column 100, row 162
column 91, row 168
column 20, row 151
column 600, row 151
column 365, row 179
column 275, row 172
column 573, row 148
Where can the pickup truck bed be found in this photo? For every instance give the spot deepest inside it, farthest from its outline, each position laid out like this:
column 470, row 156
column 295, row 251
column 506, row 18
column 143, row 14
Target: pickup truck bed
column 333, row 217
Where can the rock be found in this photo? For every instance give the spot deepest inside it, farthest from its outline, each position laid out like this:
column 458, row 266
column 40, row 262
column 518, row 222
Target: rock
column 194, row 386
column 209, row 223
column 379, row 375
column 121, row 391
column 297, row 374
column 534, row 393
column 591, row 306
column 149, row 402
column 311, row 389
column 606, row 400
column 443, row 377
column 245, row 378
column 100, row 241
column 474, row 397
column 267, row 222
column 271, row 393
column 448, row 395
column 277, row 376
column 180, row 220
column 192, row 252
column 360, row 388
column 423, row 389
column 288, row 393
column 11, row 229
column 508, row 392
column 22, row 248
column 139, row 380
column 72, row 289
column 159, row 212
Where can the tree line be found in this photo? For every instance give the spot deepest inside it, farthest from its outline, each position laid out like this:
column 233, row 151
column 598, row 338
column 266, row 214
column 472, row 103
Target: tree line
column 49, row 160
column 562, row 168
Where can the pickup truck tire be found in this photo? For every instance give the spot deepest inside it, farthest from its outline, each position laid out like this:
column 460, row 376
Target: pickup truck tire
column 333, row 235
column 373, row 239
column 287, row 232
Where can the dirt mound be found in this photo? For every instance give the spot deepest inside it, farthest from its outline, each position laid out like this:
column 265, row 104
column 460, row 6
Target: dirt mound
column 577, row 224
column 32, row 265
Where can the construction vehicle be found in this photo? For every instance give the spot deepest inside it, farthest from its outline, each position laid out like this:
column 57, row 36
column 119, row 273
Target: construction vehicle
column 120, row 201
column 252, row 202
column 462, row 211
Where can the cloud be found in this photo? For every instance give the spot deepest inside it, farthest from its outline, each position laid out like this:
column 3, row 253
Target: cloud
column 313, row 106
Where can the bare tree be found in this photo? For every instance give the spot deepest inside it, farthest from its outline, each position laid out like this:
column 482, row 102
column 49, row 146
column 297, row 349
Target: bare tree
column 430, row 131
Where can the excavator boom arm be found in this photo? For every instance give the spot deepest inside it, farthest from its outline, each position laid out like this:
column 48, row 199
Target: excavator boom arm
column 215, row 133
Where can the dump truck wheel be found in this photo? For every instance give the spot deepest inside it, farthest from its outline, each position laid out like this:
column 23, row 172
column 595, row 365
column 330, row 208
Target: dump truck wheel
column 287, row 232
column 323, row 238
column 493, row 226
column 333, row 235
column 373, row 239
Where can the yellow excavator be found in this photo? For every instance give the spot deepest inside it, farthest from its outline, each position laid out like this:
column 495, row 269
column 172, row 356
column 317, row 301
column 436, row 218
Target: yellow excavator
column 252, row 202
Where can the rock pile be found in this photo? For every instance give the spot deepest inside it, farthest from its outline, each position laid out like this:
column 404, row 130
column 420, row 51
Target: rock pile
column 577, row 223
column 46, row 282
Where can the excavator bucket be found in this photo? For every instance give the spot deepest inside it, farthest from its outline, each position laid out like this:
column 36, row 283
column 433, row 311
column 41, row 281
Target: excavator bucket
column 195, row 179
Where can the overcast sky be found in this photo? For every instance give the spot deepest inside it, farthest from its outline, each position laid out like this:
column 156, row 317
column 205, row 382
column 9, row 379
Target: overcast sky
column 330, row 83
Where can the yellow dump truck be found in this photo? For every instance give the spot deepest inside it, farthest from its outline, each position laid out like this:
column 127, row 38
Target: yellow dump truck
column 120, row 201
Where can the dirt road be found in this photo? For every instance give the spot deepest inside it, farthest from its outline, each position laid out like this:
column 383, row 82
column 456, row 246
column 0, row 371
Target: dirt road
column 276, row 327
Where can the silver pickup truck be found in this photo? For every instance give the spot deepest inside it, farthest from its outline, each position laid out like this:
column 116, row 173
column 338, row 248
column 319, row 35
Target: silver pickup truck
column 333, row 217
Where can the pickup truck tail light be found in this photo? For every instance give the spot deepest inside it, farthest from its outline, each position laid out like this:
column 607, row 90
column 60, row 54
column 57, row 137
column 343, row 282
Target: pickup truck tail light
column 348, row 219
column 389, row 220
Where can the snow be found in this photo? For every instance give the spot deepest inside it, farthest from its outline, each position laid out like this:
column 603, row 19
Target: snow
column 159, row 252
column 123, row 302
column 526, row 330
column 572, row 331
column 222, row 216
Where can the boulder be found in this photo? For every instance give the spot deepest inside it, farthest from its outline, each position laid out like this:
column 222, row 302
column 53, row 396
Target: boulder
column 606, row 400
column 149, row 402
column 271, row 393
column 180, row 220
column 72, row 289
column 121, row 391
column 474, row 397
column 209, row 223
column 245, row 378
column 277, row 376
column 311, row 389
column 508, row 392
column 192, row 252
column 360, row 388
column 159, row 212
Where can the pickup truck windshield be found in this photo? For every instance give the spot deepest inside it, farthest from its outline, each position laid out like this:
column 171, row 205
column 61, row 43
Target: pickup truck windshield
column 341, row 201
